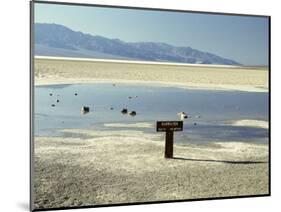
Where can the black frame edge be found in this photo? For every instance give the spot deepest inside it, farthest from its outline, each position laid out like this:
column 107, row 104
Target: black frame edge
column 31, row 105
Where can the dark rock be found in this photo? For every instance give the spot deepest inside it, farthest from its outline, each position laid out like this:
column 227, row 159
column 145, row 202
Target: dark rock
column 124, row 111
column 85, row 110
column 133, row 113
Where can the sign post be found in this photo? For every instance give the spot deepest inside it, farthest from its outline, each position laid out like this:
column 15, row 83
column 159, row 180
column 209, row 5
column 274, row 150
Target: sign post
column 169, row 127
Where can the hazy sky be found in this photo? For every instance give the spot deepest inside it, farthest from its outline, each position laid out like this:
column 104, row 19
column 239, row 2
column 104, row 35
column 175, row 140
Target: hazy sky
column 241, row 38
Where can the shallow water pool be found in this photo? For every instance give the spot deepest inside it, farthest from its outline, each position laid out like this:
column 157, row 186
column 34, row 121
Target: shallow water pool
column 57, row 107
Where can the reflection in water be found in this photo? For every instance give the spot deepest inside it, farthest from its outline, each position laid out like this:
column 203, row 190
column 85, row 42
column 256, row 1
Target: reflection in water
column 92, row 105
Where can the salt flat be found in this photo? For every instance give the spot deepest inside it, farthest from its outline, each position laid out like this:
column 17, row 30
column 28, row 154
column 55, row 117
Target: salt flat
column 122, row 167
column 127, row 166
column 58, row 71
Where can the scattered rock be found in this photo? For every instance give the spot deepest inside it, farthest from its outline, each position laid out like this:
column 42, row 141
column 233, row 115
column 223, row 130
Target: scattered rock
column 51, row 94
column 132, row 113
column 182, row 115
column 75, row 94
column 111, row 108
column 194, row 123
column 53, row 105
column 198, row 116
column 124, row 111
column 58, row 100
column 130, row 97
column 85, row 110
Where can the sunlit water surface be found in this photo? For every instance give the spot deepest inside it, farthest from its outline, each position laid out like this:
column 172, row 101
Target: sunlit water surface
column 210, row 111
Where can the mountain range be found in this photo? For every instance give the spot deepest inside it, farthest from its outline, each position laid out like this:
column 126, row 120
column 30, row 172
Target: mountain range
column 58, row 40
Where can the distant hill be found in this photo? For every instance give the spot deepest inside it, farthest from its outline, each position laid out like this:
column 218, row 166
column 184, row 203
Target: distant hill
column 58, row 40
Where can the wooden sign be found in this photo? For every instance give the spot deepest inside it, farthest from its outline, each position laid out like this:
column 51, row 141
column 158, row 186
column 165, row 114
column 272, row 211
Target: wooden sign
column 169, row 127
column 163, row 126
